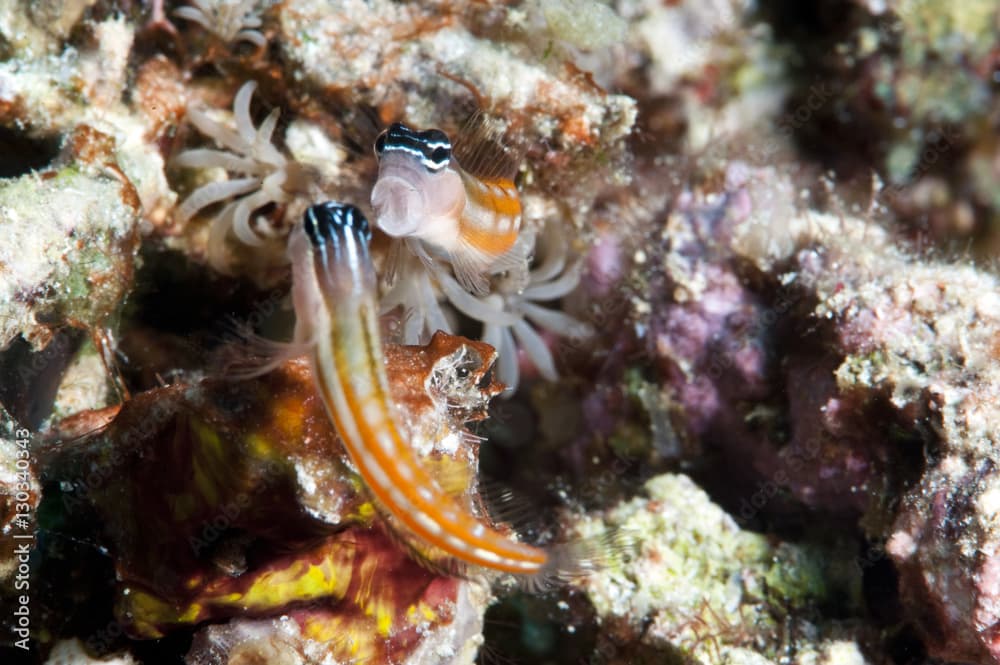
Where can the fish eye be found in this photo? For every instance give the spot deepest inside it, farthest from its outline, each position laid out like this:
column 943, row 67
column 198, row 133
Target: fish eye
column 441, row 155
column 467, row 364
column 380, row 144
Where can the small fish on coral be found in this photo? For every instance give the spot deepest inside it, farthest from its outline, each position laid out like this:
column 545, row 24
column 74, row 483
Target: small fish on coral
column 264, row 176
column 459, row 207
column 335, row 295
column 461, row 204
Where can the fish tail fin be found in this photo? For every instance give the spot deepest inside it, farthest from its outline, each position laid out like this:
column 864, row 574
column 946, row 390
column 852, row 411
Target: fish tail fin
column 576, row 559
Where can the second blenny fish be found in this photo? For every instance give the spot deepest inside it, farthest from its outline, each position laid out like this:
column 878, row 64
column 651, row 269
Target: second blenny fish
column 336, row 308
column 461, row 202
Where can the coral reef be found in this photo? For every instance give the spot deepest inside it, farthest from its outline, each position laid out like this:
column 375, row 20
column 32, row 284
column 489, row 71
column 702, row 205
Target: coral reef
column 889, row 397
column 703, row 587
column 195, row 486
column 71, row 240
column 922, row 337
column 726, row 341
column 914, row 85
column 433, row 64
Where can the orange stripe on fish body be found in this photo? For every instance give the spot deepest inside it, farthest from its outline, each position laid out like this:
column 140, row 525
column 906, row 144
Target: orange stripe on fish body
column 349, row 369
column 464, row 203
column 500, row 195
column 491, row 218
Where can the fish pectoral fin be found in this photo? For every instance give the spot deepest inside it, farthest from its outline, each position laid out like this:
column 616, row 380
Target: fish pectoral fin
column 471, row 268
column 474, row 267
column 515, row 262
column 245, row 354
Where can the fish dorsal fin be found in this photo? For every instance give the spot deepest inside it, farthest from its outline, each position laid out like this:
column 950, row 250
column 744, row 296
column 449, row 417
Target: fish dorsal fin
column 483, row 151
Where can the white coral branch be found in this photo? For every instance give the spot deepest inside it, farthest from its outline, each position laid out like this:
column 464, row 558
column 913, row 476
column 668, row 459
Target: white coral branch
column 258, row 175
column 229, row 20
column 509, row 316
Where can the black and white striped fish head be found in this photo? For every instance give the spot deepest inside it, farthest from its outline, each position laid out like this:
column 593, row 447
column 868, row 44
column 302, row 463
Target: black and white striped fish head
column 328, row 222
column 330, row 256
column 431, row 148
column 328, row 252
column 418, row 188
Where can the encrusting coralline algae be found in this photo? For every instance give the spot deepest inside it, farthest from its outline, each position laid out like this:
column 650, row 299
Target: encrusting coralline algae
column 721, row 347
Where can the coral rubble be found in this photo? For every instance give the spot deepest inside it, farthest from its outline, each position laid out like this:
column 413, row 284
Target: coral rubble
column 889, row 397
column 70, row 245
column 704, row 587
column 221, row 499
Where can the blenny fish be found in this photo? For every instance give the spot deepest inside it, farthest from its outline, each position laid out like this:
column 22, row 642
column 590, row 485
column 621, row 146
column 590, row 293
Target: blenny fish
column 335, row 297
column 461, row 201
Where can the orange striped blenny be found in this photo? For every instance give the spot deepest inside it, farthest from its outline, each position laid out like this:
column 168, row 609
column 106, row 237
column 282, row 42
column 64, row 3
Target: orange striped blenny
column 462, row 202
column 336, row 306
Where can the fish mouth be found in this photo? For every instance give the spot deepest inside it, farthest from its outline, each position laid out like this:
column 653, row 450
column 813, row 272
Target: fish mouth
column 398, row 206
